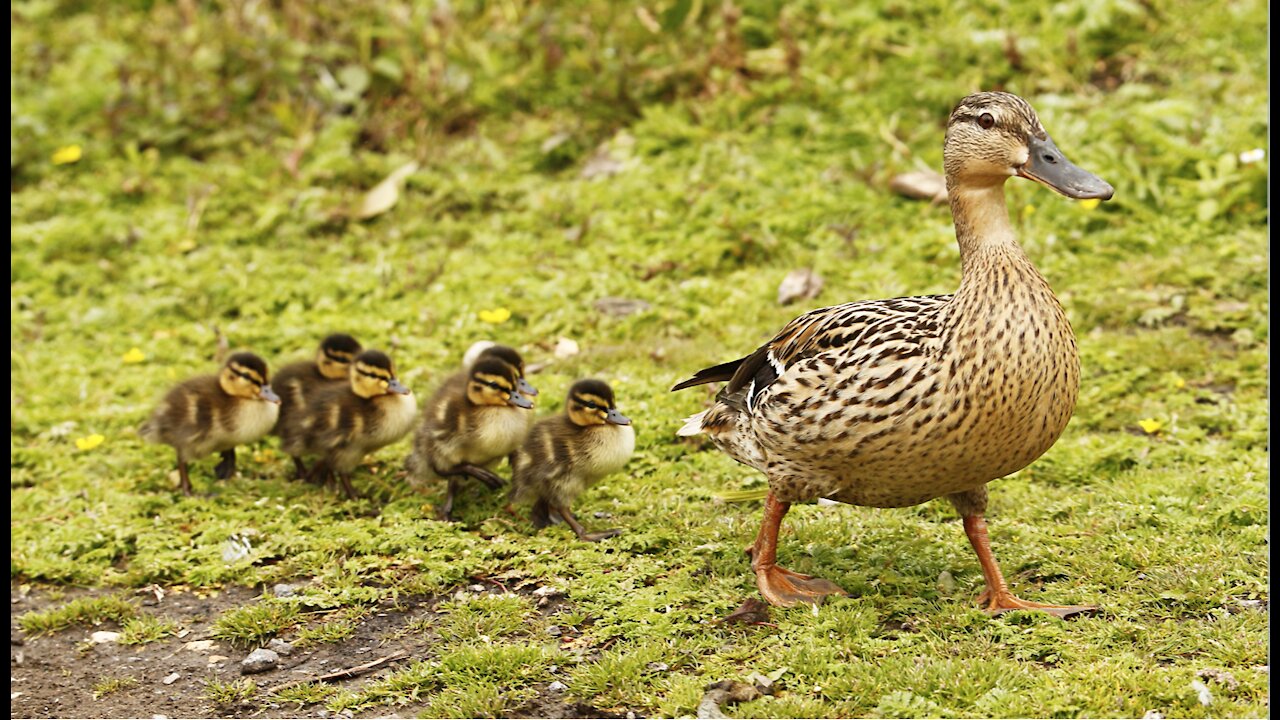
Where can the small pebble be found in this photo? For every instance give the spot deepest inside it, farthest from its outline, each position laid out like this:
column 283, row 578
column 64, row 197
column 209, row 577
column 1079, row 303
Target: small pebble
column 557, row 686
column 260, row 660
column 658, row 666
column 476, row 588
column 283, row 590
column 104, row 636
column 1153, row 715
column 171, row 678
column 554, row 631
column 280, row 647
column 602, row 515
column 547, row 591
column 946, row 582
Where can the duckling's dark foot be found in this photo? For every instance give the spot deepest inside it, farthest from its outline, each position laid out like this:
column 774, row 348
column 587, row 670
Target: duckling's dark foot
column 299, row 469
column 540, row 515
column 319, row 474
column 782, row 587
column 600, row 535
column 488, row 477
column 347, row 490
column 227, row 467
column 444, row 513
column 1003, row 602
column 184, row 480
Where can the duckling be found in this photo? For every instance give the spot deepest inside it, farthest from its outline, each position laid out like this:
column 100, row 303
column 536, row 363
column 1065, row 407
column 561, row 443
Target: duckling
column 215, row 413
column 475, row 419
column 343, row 423
column 509, row 355
column 568, row 453
column 891, row 403
column 295, row 382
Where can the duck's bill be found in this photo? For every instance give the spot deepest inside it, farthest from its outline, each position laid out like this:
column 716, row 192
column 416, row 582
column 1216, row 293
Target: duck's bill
column 525, row 388
column 398, row 388
column 266, row 393
column 1048, row 166
column 520, row 400
column 617, row 418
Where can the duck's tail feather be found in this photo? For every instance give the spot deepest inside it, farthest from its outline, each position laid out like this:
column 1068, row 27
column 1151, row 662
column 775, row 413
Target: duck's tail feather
column 720, row 373
column 692, row 425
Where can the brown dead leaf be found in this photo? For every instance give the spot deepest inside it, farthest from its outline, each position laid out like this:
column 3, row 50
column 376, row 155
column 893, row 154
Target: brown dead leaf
column 920, row 185
column 802, row 284
column 385, row 194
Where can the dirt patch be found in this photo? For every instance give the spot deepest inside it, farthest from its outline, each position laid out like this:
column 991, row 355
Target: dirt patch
column 54, row 675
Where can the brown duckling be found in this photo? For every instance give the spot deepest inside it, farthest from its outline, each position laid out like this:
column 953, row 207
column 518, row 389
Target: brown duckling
column 344, row 423
column 296, row 382
column 509, row 355
column 215, row 413
column 568, row 453
column 475, row 419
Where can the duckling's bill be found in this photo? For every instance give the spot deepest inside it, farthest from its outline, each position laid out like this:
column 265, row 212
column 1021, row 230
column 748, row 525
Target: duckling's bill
column 266, row 393
column 519, row 400
column 1048, row 166
column 395, row 386
column 616, row 418
column 525, row 388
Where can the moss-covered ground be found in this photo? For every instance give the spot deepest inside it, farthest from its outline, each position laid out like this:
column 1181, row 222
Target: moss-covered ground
column 193, row 174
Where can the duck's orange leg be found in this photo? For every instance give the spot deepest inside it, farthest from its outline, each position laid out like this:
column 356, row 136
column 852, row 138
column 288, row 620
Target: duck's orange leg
column 778, row 585
column 997, row 596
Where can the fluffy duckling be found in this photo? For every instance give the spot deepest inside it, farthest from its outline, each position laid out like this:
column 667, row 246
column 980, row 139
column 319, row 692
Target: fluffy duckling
column 343, row 423
column 566, row 454
column 296, row 382
column 475, row 419
column 215, row 413
column 509, row 355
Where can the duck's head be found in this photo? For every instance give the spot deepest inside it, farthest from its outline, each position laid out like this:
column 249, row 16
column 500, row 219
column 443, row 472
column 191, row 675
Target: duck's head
column 334, row 357
column 993, row 136
column 509, row 356
column 374, row 375
column 494, row 382
column 245, row 376
column 591, row 403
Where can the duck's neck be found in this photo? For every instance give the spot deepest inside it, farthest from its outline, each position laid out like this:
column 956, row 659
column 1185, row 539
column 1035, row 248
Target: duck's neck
column 986, row 238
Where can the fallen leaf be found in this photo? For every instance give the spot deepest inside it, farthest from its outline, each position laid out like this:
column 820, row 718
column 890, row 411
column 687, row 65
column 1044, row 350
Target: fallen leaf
column 620, row 307
column 750, row 612
column 920, row 185
column 803, row 284
column 385, row 194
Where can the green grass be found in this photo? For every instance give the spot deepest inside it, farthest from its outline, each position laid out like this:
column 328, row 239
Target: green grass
column 107, row 685
column 146, row 629
column 227, row 149
column 83, row 611
column 232, row 692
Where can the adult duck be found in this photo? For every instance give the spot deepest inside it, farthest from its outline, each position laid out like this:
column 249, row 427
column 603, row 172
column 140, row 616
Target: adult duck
column 891, row 403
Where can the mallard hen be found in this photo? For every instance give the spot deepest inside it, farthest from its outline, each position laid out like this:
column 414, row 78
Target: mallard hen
column 890, row 403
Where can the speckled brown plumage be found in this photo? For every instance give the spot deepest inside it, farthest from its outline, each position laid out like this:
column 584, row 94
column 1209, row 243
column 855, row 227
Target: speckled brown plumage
column 566, row 454
column 890, row 403
column 475, row 419
column 344, row 423
column 215, row 414
column 297, row 382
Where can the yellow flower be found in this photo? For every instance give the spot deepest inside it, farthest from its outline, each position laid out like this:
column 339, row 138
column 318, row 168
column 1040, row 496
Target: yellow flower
column 1090, row 204
column 1028, row 211
column 91, row 442
column 496, row 316
column 67, row 155
column 1179, row 383
column 1150, row 426
column 134, row 356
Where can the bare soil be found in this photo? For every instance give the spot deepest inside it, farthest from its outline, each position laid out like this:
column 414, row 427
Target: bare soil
column 53, row 676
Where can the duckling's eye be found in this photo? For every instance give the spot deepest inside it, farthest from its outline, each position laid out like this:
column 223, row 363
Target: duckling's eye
column 986, row 122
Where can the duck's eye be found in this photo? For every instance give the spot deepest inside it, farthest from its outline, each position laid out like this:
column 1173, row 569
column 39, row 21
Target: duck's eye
column 986, row 122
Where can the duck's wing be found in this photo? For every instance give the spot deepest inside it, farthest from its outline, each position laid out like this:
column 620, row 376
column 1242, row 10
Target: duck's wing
column 816, row 332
